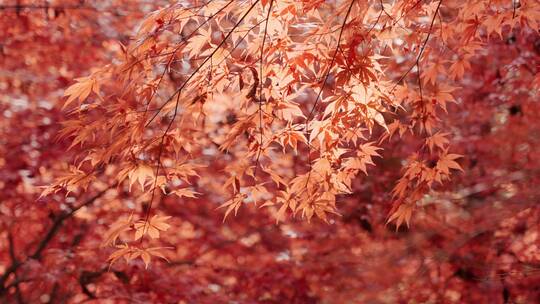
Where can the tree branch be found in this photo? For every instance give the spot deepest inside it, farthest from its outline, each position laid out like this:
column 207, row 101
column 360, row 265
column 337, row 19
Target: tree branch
column 177, row 103
column 49, row 235
column 261, row 89
column 422, row 48
column 14, row 261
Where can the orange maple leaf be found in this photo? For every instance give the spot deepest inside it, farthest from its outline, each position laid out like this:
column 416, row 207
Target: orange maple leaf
column 152, row 227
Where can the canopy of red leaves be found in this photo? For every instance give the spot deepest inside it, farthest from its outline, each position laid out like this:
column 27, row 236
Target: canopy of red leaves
column 269, row 151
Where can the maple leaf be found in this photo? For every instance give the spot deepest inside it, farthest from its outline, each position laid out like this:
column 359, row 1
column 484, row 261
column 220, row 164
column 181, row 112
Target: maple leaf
column 239, row 127
column 438, row 140
column 457, row 69
column 322, row 166
column 186, row 170
column 402, row 214
column 289, row 110
column 447, row 162
column 443, row 95
column 186, row 192
column 232, row 204
column 81, row 90
column 130, row 253
column 274, row 176
column 140, row 173
column 291, row 138
column 256, row 193
column 152, row 227
column 286, row 199
column 364, row 158
column 71, row 180
column 431, row 73
column 116, row 229
column 369, row 149
column 123, row 251
column 147, row 253
column 198, row 42
column 280, row 215
column 494, row 24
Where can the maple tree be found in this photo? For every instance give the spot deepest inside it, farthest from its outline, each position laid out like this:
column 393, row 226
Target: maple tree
column 269, row 151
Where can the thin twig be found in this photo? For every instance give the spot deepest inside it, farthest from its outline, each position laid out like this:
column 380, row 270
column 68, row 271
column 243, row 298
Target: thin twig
column 306, row 128
column 421, row 49
column 177, row 94
column 330, row 67
column 261, row 90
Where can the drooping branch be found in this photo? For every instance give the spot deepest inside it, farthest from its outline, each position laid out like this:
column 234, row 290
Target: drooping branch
column 177, row 93
column 310, row 115
column 261, row 82
column 422, row 49
column 311, row 112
